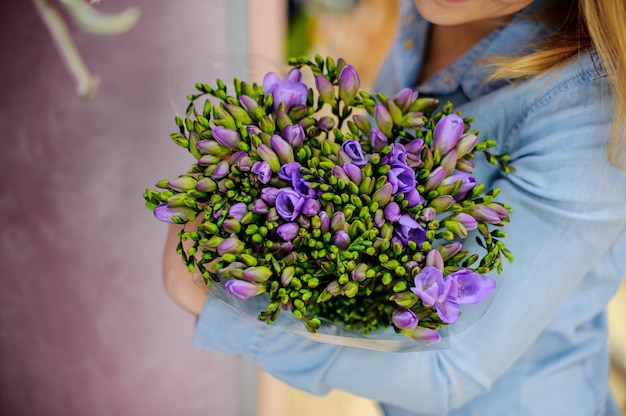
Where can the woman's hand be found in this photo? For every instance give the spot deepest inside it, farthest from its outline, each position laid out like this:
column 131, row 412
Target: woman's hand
column 179, row 283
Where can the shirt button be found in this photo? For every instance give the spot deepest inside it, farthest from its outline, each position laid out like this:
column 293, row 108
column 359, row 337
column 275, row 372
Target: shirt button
column 448, row 78
column 408, row 44
column 408, row 19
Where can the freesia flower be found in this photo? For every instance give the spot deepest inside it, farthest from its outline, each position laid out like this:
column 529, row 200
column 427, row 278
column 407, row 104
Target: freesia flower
column 282, row 149
column 242, row 289
column 447, row 132
column 311, row 207
column 404, row 318
column 263, row 171
column 408, row 229
column 230, row 245
column 288, row 91
column 238, row 210
column 401, row 178
column 287, row 170
column 325, row 89
column 257, row 273
column 166, row 213
column 383, row 119
column 472, row 287
column 433, row 290
column 341, row 239
column 378, row 140
column 405, row 97
column 288, row 231
column 354, row 151
column 353, row 172
column 288, row 203
column 467, row 183
column 226, row 137
column 294, row 135
column 349, row 83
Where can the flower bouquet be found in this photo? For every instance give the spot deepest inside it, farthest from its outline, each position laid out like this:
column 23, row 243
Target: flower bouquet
column 346, row 209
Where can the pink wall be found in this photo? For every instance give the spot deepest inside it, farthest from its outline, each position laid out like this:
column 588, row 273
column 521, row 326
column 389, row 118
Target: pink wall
column 85, row 326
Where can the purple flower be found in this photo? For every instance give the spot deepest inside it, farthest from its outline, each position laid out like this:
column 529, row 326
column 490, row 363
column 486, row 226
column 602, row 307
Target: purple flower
column 221, row 170
column 259, row 207
column 206, row 185
column 288, row 91
column 434, row 258
column 466, row 144
column 405, row 97
column 392, row 212
column 282, row 149
column 404, row 318
column 288, row 203
column 362, row 123
column 408, row 229
column 472, row 287
column 354, row 151
column 288, row 231
column 257, row 273
column 252, row 129
column 337, row 221
column 311, row 207
column 230, row 245
column 301, row 186
column 268, row 155
column 349, row 83
column 428, row 214
column 294, row 135
column 383, row 119
column 325, row 89
column 434, row 179
column 423, row 335
column 339, row 173
column 248, row 103
column 341, row 239
column 354, row 172
column 238, row 210
column 414, row 146
column 242, row 289
column 287, row 171
column 433, row 290
column 379, row 218
column 164, row 213
column 401, row 178
column 324, row 222
column 485, row 214
column 397, row 155
column 226, row 137
column 263, row 171
column 447, row 133
column 414, row 198
column 467, row 183
column 467, row 220
column 326, row 123
column 383, row 194
column 359, row 273
column 211, row 147
column 378, row 140
column 269, row 195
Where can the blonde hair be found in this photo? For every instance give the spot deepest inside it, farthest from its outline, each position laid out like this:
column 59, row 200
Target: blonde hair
column 598, row 24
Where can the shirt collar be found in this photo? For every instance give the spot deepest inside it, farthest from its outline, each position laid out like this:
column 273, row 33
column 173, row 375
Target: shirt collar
column 466, row 73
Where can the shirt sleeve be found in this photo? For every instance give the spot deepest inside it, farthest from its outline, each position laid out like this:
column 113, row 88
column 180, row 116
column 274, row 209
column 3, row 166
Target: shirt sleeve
column 568, row 211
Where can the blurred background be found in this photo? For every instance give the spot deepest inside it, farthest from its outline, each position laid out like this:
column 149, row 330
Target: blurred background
column 85, row 325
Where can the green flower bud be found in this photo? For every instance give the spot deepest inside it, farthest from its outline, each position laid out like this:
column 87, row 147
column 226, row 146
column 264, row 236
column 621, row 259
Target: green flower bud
column 405, row 299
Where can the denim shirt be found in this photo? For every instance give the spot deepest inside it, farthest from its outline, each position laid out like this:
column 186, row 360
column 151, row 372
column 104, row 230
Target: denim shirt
column 541, row 348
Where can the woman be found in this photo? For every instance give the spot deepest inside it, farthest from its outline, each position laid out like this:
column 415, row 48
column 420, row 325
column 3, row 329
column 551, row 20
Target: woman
column 541, row 347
